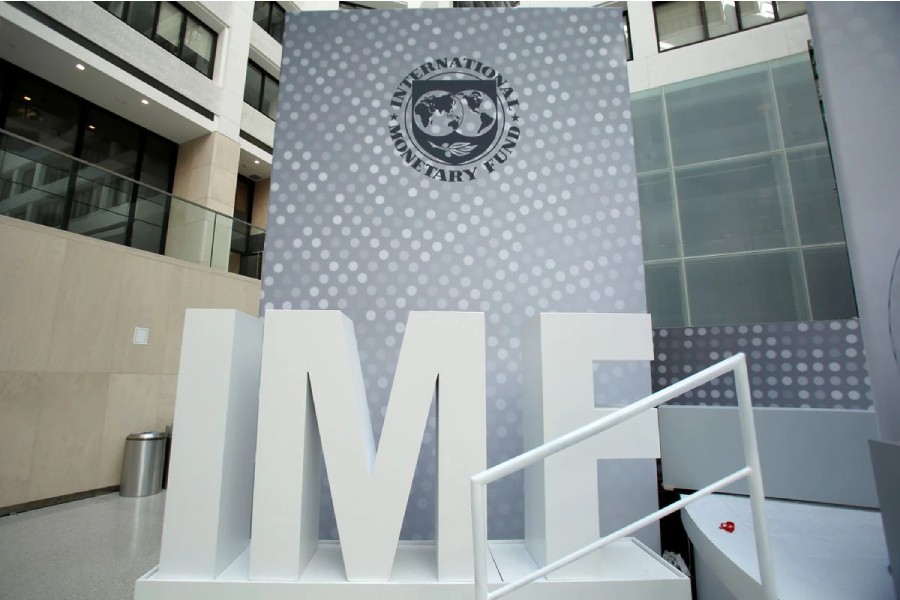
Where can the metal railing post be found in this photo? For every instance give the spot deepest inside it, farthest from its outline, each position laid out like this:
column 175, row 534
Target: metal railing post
column 754, row 481
column 751, row 470
column 479, row 536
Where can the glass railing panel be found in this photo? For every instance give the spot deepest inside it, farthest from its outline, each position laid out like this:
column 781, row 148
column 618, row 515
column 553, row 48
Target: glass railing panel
column 31, row 204
column 221, row 250
column 190, row 232
column 101, row 206
column 246, row 250
column 247, row 244
column 149, row 219
column 104, row 191
column 51, row 169
column 240, row 236
column 251, row 265
column 41, row 185
column 151, row 206
column 146, row 236
column 98, row 223
column 33, row 183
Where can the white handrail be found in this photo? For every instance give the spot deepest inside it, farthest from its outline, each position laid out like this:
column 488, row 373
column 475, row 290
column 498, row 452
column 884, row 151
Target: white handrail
column 751, row 471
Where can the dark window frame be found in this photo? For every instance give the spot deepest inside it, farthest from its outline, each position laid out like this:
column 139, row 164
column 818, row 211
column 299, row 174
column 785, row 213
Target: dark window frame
column 267, row 27
column 262, row 87
column 185, row 16
column 706, row 37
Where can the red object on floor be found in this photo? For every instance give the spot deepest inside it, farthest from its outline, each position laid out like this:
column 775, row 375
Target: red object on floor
column 727, row 526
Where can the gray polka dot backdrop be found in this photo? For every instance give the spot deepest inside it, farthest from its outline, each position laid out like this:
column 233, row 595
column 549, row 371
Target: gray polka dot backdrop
column 818, row 364
column 372, row 215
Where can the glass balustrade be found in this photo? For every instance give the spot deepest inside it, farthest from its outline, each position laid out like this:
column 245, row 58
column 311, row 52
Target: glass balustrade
column 44, row 186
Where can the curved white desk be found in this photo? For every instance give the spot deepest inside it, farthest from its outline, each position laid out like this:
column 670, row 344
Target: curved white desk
column 820, row 552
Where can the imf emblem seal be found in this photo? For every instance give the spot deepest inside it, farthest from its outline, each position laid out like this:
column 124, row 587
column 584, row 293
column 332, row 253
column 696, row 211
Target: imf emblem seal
column 454, row 119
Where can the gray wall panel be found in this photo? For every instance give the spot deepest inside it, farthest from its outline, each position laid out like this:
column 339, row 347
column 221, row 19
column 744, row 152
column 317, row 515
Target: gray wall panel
column 814, row 455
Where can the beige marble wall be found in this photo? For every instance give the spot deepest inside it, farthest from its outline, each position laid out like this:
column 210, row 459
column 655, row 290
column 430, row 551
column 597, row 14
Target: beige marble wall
column 72, row 384
column 190, row 233
column 205, row 173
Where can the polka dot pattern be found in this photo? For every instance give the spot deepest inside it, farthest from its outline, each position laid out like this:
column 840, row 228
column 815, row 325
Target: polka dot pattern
column 556, row 228
column 818, row 364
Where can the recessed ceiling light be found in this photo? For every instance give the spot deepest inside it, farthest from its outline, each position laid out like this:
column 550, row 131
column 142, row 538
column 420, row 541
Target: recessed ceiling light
column 144, row 101
column 80, row 67
column 27, row 98
column 255, row 162
column 91, row 127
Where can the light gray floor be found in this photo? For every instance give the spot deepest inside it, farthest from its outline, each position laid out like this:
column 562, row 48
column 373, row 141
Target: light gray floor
column 91, row 549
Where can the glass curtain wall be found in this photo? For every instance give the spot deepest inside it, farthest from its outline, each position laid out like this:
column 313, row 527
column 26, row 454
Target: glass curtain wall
column 739, row 208
column 48, row 188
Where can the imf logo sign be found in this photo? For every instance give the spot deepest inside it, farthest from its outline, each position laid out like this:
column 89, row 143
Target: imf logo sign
column 454, row 118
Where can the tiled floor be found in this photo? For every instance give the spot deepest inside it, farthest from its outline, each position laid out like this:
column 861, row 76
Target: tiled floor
column 87, row 550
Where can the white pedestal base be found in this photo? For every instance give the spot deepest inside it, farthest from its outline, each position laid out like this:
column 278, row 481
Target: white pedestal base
column 629, row 571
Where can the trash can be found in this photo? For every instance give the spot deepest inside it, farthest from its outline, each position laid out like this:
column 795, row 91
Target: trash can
column 142, row 467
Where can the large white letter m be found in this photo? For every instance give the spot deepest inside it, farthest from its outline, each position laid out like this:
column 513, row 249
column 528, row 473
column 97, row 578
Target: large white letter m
column 312, row 399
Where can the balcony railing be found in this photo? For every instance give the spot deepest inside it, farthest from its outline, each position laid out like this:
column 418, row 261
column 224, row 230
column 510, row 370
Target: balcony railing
column 44, row 186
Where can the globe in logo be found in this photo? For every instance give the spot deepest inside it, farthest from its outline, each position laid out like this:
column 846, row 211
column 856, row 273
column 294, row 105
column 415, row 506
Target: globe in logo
column 454, row 119
column 468, row 113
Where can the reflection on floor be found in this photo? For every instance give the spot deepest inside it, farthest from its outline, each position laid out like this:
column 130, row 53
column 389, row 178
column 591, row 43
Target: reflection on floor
column 92, row 549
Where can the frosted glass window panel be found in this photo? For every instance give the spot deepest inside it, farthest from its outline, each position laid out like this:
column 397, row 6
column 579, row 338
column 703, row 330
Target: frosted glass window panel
column 276, row 25
column 722, row 116
column 198, row 46
column 261, row 13
column 270, row 97
column 253, row 86
column 798, row 101
column 678, row 24
column 735, row 206
column 829, row 282
column 141, row 16
column 651, row 143
column 754, row 14
column 665, row 294
column 168, row 29
column 787, row 10
column 659, row 228
column 145, row 236
column 815, row 196
column 721, row 18
column 116, row 8
column 746, row 288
